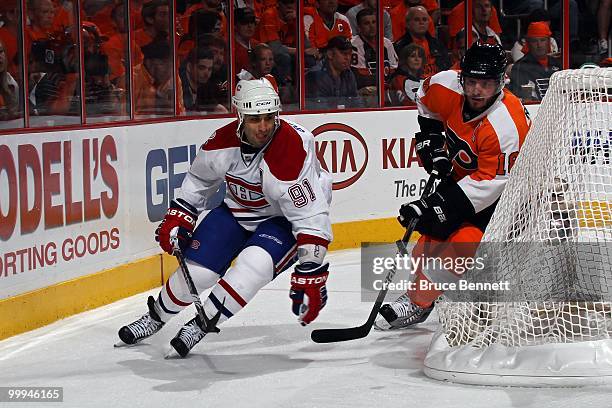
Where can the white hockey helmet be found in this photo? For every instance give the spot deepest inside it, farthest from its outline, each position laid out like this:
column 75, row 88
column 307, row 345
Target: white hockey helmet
column 256, row 97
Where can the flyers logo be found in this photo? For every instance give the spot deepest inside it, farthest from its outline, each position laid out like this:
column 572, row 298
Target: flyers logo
column 460, row 151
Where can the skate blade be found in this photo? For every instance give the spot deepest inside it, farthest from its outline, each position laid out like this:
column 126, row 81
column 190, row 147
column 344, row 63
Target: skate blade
column 171, row 354
column 121, row 344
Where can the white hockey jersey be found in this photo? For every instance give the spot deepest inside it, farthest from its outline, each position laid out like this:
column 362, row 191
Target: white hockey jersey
column 283, row 179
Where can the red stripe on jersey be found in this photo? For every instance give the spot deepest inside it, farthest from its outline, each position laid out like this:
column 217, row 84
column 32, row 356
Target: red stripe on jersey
column 286, row 155
column 225, row 137
column 232, row 293
column 303, row 239
column 279, row 266
column 241, row 210
column 173, row 298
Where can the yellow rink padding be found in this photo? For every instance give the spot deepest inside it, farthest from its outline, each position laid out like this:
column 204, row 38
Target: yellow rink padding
column 40, row 307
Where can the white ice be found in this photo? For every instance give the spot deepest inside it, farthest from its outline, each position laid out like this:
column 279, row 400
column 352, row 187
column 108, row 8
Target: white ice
column 261, row 358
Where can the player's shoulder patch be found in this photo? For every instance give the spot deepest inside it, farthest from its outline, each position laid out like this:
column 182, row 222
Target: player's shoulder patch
column 426, row 84
column 448, row 79
column 285, row 156
column 225, row 137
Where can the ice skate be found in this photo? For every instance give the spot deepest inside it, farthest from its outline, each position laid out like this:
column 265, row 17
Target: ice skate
column 192, row 332
column 401, row 314
column 149, row 324
column 188, row 336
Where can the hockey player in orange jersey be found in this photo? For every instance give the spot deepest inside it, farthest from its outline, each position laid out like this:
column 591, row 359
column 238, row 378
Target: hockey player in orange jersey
column 471, row 132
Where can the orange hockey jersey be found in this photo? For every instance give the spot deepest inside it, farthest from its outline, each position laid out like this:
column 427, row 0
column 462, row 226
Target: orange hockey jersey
column 319, row 34
column 483, row 149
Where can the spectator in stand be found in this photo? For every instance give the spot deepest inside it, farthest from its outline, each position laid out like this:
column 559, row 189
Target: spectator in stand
column 41, row 14
column 369, row 4
column 530, row 75
column 156, row 19
column 331, row 84
column 214, row 6
column 201, row 23
column 481, row 15
column 220, row 71
column 102, row 98
column 9, row 34
column 324, row 23
column 53, row 77
column 9, row 89
column 278, row 29
column 437, row 58
column 153, row 86
column 485, row 22
column 365, row 56
column 459, row 50
column 406, row 80
column 261, row 65
column 116, row 47
column 537, row 15
column 54, row 62
column 398, row 15
column 246, row 25
column 199, row 92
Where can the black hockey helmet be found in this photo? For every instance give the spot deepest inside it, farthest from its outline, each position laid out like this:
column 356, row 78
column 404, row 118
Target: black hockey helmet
column 484, row 61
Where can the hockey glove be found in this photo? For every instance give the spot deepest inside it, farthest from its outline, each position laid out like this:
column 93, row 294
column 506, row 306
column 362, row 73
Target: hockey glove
column 432, row 152
column 439, row 214
column 178, row 223
column 308, row 291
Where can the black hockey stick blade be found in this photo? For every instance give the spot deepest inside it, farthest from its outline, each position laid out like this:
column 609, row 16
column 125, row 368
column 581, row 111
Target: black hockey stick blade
column 354, row 333
column 337, row 335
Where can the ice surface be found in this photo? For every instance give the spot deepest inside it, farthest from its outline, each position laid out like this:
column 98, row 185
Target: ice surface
column 261, row 358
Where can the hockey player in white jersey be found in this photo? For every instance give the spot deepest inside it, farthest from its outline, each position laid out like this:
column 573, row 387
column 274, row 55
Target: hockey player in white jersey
column 275, row 212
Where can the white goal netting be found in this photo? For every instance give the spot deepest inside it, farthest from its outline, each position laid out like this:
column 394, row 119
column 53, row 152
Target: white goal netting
column 551, row 239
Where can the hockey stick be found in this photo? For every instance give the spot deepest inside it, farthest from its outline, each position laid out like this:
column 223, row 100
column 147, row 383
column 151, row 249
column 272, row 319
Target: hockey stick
column 208, row 325
column 353, row 333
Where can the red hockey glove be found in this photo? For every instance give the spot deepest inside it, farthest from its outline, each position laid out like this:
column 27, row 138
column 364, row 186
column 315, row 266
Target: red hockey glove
column 308, row 291
column 179, row 222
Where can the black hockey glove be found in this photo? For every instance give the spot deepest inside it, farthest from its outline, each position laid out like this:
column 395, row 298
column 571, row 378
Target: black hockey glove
column 431, row 149
column 441, row 213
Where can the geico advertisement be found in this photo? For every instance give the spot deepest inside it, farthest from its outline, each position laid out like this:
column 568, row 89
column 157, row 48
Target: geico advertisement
column 60, row 205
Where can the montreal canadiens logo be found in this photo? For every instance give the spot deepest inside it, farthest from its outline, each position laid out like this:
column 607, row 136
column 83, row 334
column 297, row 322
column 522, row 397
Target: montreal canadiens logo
column 342, row 151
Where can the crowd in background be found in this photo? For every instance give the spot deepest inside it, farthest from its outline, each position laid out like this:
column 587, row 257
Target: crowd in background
column 182, row 67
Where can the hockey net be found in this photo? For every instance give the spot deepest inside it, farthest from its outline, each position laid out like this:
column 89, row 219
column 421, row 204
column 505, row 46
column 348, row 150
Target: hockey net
column 551, row 235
